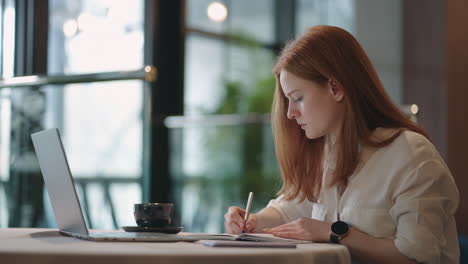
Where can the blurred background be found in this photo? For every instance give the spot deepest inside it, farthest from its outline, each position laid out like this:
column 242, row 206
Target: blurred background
column 168, row 101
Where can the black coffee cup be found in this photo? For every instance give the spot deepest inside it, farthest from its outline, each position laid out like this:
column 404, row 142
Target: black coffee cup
column 153, row 214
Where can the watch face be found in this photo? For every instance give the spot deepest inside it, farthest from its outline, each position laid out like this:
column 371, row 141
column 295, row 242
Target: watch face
column 339, row 228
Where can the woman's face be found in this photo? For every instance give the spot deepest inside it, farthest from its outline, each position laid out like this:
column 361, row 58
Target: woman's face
column 317, row 108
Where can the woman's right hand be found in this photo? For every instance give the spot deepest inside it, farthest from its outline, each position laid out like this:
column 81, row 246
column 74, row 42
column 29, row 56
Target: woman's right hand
column 234, row 221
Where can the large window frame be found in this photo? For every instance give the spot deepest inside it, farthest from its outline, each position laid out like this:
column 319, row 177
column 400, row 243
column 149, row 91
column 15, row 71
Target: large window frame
column 163, row 48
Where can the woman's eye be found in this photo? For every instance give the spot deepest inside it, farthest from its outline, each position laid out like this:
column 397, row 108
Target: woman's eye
column 299, row 99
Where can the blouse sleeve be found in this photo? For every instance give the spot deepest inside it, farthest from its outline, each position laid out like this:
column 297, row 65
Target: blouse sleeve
column 424, row 205
column 291, row 210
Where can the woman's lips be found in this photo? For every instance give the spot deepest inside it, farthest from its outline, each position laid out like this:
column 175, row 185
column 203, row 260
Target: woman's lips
column 303, row 125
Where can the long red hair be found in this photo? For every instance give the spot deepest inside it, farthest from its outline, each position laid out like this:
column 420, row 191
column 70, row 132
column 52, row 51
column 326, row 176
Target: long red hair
column 321, row 54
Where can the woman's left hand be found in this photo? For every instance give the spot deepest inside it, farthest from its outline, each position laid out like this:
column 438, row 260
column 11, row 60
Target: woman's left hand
column 303, row 229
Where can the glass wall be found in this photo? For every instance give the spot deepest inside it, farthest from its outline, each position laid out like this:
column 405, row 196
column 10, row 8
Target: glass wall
column 219, row 154
column 230, row 51
column 101, row 122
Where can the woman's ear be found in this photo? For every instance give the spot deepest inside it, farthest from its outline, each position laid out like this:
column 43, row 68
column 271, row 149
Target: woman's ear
column 336, row 90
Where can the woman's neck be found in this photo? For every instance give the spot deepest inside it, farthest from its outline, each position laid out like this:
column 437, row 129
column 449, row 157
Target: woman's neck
column 330, row 151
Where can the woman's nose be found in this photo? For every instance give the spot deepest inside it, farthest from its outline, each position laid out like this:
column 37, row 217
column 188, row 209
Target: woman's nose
column 292, row 112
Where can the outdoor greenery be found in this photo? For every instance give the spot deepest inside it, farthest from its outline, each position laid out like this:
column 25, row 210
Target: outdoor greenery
column 240, row 159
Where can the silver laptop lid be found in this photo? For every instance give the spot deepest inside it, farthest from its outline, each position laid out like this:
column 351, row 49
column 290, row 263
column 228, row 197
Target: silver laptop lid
column 59, row 181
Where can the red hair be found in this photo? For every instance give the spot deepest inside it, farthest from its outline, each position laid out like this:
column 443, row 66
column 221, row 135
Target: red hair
column 321, row 54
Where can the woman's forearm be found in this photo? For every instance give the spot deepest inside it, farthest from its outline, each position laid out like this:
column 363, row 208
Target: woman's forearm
column 268, row 218
column 368, row 249
column 363, row 247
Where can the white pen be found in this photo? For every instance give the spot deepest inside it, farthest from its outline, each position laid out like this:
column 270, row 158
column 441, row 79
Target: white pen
column 247, row 210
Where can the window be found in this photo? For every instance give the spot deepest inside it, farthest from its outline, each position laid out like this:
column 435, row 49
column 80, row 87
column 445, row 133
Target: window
column 7, row 50
column 101, row 122
column 218, row 154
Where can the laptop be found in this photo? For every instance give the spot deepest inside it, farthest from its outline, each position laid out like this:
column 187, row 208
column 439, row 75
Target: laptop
column 66, row 206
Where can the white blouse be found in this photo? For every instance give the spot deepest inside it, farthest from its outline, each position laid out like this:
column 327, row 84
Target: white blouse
column 404, row 192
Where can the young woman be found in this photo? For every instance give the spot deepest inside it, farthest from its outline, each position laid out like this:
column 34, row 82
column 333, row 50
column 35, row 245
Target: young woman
column 355, row 170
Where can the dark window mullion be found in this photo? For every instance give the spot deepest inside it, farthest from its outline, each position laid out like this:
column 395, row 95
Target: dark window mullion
column 164, row 48
column 25, row 192
column 32, row 21
column 285, row 22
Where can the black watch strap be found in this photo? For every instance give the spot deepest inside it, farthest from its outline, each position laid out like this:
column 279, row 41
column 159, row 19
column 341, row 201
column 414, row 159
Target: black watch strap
column 334, row 238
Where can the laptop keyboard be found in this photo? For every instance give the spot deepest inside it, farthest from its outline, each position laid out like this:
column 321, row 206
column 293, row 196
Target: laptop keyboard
column 129, row 235
column 139, row 236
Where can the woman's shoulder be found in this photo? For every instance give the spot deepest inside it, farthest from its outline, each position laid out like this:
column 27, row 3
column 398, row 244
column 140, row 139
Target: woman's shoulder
column 408, row 147
column 407, row 142
column 411, row 158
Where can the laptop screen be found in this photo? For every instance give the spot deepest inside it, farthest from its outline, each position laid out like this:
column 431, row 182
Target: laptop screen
column 59, row 181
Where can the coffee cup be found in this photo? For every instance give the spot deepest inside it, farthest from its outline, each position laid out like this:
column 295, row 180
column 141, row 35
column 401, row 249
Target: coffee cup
column 153, row 214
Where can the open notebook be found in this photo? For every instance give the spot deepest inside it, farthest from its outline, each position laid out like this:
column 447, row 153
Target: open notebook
column 256, row 237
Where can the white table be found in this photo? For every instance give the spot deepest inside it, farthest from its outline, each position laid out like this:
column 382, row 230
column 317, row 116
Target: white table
column 32, row 245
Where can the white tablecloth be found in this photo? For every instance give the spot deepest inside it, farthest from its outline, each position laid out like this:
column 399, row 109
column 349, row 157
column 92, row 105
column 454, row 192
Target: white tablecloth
column 31, row 245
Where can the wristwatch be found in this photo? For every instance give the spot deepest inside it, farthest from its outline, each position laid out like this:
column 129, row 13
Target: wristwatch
column 339, row 230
